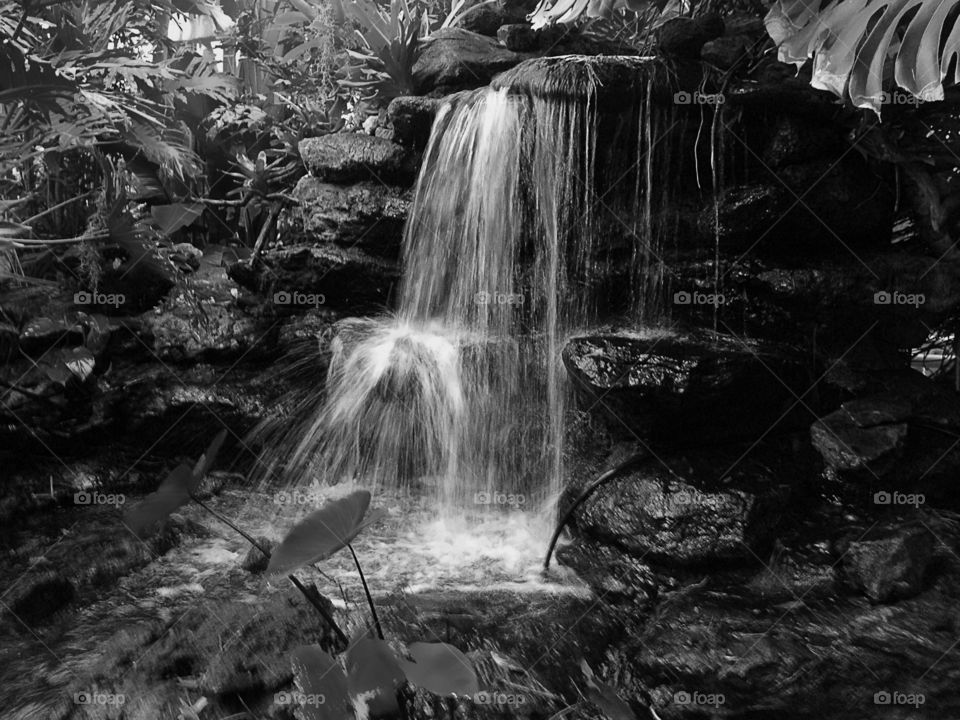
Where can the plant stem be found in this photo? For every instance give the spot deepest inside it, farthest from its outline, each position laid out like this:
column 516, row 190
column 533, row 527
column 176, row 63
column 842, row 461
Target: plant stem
column 299, row 585
column 366, row 590
column 605, row 477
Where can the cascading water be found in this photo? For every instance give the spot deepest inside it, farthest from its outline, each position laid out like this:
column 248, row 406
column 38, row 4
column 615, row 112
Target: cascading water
column 531, row 201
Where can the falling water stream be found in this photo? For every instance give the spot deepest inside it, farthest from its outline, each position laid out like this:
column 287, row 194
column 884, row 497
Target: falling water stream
column 459, row 397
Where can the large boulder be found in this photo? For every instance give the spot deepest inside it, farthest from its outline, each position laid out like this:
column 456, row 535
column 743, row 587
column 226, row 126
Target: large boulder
column 351, row 157
column 890, row 563
column 367, row 215
column 685, row 389
column 456, row 59
column 679, row 512
column 303, row 277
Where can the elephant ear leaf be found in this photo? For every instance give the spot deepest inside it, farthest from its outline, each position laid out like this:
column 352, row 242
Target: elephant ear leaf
column 373, row 677
column 322, row 684
column 145, row 517
column 440, row 668
column 322, row 533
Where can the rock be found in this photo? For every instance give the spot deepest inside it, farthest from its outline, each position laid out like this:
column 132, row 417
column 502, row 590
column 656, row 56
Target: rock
column 890, row 563
column 792, row 575
column 454, row 58
column 351, row 157
column 255, row 561
column 367, row 215
column 614, row 82
column 38, row 598
column 726, row 51
column 861, row 436
column 43, row 333
column 766, row 220
column 303, row 277
column 676, row 387
column 675, row 514
column 684, row 37
column 519, row 37
column 794, row 140
column 412, row 118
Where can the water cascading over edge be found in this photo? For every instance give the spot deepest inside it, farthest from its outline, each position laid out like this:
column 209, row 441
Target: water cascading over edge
column 535, row 210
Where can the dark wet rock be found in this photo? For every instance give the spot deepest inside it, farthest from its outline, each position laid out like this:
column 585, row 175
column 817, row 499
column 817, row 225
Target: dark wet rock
column 454, row 58
column 826, row 662
column 367, row 215
column 670, row 512
column 726, row 51
column 255, row 561
column 807, row 574
column 613, row 82
column 41, row 334
column 611, row 574
column 680, row 387
column 765, row 218
column 412, row 117
column 352, row 157
column 890, row 563
column 520, row 37
column 37, row 598
column 684, row 37
column 861, row 435
column 794, row 141
column 302, row 277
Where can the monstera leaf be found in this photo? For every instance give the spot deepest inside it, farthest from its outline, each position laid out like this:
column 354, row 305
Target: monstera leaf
column 851, row 40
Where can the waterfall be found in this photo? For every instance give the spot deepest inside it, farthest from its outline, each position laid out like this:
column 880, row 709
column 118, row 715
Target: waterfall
column 535, row 212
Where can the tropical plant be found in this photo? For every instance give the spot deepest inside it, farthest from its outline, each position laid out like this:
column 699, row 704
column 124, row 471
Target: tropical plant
column 389, row 45
column 853, row 41
column 649, row 12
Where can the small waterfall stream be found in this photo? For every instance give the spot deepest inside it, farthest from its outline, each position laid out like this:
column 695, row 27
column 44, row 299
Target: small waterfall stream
column 537, row 209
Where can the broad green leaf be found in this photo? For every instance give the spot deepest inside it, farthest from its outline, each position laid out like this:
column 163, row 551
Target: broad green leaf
column 440, row 668
column 322, row 683
column 373, row 677
column 170, row 218
column 145, row 517
column 321, row 533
